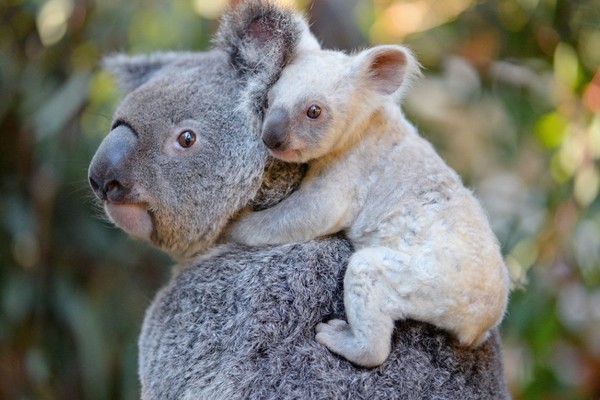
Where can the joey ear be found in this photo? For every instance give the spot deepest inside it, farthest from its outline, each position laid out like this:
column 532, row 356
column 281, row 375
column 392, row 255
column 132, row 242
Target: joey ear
column 388, row 69
column 133, row 71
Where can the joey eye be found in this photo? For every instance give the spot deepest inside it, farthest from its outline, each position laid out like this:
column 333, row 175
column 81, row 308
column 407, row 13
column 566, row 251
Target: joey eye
column 186, row 139
column 313, row 111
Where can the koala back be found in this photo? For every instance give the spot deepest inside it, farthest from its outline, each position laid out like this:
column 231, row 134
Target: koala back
column 239, row 323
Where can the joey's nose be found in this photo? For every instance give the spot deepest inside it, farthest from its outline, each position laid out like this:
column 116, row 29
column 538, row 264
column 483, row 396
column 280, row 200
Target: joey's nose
column 275, row 129
column 273, row 141
column 110, row 169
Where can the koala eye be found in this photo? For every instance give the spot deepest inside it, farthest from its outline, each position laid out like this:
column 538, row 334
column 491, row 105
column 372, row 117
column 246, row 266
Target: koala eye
column 313, row 111
column 186, row 139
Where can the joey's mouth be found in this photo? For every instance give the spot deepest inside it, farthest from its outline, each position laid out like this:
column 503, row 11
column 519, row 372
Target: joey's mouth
column 288, row 155
column 133, row 218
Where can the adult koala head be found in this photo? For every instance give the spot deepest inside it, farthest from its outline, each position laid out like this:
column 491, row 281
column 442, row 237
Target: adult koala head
column 184, row 154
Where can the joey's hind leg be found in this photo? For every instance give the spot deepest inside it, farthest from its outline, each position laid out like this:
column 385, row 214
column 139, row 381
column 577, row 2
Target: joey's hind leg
column 368, row 293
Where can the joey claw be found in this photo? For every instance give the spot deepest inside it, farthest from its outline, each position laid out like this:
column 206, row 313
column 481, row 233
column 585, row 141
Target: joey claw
column 328, row 333
column 331, row 326
column 334, row 324
column 338, row 337
column 339, row 325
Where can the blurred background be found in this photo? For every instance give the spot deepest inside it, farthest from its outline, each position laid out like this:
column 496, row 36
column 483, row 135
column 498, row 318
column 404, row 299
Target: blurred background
column 511, row 99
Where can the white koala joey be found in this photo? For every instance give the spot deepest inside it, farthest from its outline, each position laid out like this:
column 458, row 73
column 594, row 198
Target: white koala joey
column 424, row 246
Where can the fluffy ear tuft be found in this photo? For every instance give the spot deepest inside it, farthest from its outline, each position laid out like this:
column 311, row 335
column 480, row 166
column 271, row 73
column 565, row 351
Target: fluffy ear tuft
column 133, row 71
column 261, row 37
column 259, row 33
column 388, row 69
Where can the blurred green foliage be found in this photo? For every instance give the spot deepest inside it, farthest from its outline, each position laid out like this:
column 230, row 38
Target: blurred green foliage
column 511, row 99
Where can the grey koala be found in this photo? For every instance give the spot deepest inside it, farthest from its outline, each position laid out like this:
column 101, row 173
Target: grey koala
column 234, row 322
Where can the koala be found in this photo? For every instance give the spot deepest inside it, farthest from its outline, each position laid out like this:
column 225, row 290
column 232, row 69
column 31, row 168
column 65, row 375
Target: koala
column 183, row 159
column 425, row 249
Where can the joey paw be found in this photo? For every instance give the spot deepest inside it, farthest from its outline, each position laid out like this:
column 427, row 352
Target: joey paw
column 338, row 337
column 333, row 325
column 330, row 334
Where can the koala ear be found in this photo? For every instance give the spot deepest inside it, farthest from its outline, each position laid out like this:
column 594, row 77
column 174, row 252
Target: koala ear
column 261, row 37
column 387, row 69
column 133, row 71
column 259, row 34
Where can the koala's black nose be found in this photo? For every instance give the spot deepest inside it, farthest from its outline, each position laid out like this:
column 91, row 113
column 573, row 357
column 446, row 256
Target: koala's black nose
column 112, row 190
column 109, row 173
column 276, row 128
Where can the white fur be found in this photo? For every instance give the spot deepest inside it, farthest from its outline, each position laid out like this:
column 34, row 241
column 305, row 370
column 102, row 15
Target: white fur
column 425, row 249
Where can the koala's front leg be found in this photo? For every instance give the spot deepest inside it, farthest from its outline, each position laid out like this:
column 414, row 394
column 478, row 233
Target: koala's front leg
column 313, row 210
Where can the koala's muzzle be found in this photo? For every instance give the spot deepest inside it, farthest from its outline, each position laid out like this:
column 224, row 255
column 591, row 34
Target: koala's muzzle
column 108, row 173
column 276, row 129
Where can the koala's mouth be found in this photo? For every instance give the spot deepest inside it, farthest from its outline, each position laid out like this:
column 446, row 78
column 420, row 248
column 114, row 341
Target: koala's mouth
column 133, row 218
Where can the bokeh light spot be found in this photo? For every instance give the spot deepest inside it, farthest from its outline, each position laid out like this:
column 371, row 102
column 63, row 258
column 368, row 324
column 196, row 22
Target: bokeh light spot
column 550, row 129
column 591, row 96
column 403, row 18
column 52, row 20
column 586, row 185
column 209, row 9
column 566, row 65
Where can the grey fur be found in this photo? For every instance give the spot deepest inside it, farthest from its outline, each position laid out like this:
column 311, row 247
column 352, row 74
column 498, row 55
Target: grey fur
column 238, row 322
column 132, row 71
